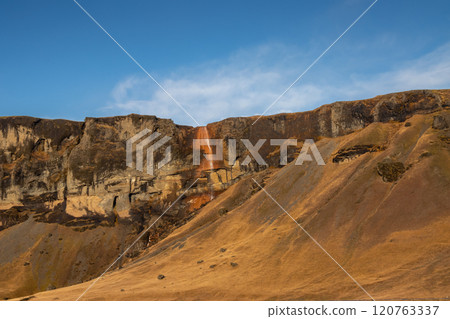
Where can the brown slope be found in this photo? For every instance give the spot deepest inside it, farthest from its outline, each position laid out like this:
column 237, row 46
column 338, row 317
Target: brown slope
column 392, row 237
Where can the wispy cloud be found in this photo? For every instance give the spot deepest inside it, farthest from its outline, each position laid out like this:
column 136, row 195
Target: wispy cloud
column 250, row 80
column 426, row 72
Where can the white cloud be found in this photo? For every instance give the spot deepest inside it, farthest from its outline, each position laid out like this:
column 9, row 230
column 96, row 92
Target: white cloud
column 431, row 71
column 246, row 84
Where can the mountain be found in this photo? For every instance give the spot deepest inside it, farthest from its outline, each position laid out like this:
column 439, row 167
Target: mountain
column 379, row 207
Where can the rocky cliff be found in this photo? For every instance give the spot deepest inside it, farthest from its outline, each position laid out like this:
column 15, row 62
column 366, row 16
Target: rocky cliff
column 69, row 203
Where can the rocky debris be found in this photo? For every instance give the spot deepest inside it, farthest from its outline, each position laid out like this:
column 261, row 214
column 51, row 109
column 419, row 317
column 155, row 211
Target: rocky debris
column 13, row 216
column 444, row 139
column 222, row 250
column 133, row 254
column 60, row 216
column 26, row 263
column 407, row 124
column 390, row 171
column 51, row 287
column 439, row 122
column 425, row 154
column 199, row 261
column 233, row 264
column 27, row 298
column 166, row 225
column 352, row 152
column 212, row 266
column 222, row 211
column 161, row 277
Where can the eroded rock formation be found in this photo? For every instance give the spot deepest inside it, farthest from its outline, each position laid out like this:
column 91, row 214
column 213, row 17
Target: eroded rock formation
column 72, row 176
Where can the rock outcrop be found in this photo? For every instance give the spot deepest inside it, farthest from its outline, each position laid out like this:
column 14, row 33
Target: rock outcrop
column 73, row 175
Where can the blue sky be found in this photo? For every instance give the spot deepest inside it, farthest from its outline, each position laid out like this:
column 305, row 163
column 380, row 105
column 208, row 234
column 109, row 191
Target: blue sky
column 217, row 58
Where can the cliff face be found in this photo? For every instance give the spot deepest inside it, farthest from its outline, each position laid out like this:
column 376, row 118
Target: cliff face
column 71, row 178
column 52, row 160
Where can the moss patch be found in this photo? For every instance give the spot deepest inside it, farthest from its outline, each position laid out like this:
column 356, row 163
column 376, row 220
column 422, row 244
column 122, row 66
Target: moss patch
column 390, row 171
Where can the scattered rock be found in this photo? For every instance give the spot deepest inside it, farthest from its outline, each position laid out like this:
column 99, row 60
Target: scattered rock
column 223, row 211
column 27, row 298
column 132, row 254
column 425, row 154
column 439, row 122
column 408, row 124
column 222, row 250
column 122, row 290
column 26, row 263
column 390, row 171
column 199, row 261
column 161, row 277
column 349, row 153
column 233, row 264
column 51, row 287
column 445, row 139
column 212, row 266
